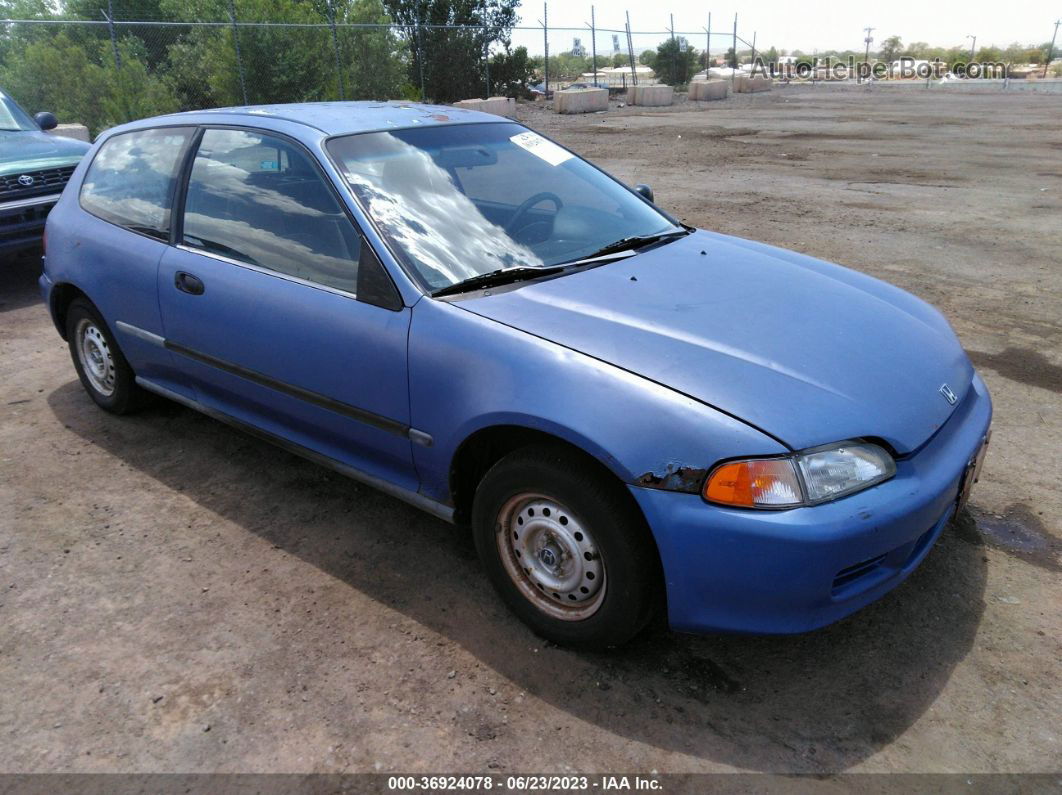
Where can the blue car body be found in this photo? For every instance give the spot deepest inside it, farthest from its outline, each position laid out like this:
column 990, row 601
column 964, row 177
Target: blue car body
column 660, row 366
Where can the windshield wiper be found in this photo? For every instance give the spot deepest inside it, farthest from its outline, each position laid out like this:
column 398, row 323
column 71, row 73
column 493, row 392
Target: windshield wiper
column 522, row 272
column 494, row 278
column 637, row 241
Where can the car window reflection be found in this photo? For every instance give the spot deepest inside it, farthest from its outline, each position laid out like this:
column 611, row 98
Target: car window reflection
column 130, row 182
column 421, row 210
column 259, row 200
column 456, row 201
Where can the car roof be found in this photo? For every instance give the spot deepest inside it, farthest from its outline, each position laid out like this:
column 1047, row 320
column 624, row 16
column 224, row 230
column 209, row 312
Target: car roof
column 328, row 118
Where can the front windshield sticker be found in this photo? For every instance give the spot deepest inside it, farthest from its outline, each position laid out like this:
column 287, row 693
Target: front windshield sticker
column 541, row 147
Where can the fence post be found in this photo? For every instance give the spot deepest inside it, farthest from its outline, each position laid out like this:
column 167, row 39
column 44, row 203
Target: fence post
column 335, row 46
column 733, row 66
column 486, row 60
column 420, row 57
column 593, row 42
column 109, row 15
column 630, row 52
column 236, row 44
column 545, row 41
column 674, row 50
column 708, row 46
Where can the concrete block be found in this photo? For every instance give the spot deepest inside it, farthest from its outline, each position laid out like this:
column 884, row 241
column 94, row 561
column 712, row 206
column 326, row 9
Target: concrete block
column 499, row 106
column 747, row 84
column 580, row 100
column 705, row 90
column 77, row 131
column 650, row 96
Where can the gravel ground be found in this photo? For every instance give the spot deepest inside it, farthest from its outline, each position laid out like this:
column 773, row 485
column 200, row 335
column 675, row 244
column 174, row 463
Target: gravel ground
column 175, row 596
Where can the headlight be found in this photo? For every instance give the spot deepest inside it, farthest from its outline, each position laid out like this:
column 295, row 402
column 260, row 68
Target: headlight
column 806, row 478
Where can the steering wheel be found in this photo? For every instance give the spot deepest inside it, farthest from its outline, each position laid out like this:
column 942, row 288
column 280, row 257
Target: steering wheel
column 518, row 216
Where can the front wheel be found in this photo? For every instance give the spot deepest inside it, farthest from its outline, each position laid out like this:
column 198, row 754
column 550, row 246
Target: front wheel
column 566, row 548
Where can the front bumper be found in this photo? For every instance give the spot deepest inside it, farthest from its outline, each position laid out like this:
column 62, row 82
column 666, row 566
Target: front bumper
column 780, row 572
column 22, row 222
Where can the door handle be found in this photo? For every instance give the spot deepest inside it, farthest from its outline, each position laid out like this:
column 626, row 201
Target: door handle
column 187, row 283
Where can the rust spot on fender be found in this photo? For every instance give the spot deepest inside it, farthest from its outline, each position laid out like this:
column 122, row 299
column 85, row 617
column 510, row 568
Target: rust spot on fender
column 675, row 478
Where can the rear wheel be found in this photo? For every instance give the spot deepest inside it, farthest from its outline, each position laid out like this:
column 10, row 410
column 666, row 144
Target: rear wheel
column 104, row 372
column 566, row 548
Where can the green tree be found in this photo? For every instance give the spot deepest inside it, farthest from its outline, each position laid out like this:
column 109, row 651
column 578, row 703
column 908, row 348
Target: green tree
column 510, row 73
column 154, row 41
column 279, row 64
column 567, row 66
column 919, row 50
column 676, row 62
column 133, row 91
column 375, row 61
column 79, row 82
column 890, row 49
column 452, row 60
column 989, row 55
column 620, row 59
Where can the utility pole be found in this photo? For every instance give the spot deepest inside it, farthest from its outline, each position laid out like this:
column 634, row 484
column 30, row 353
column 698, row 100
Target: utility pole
column 1051, row 48
column 866, row 56
column 973, row 46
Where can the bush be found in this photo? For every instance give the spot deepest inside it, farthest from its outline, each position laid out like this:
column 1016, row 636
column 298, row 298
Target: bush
column 79, row 82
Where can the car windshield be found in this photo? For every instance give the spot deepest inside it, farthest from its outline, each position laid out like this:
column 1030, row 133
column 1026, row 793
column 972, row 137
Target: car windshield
column 12, row 117
column 458, row 201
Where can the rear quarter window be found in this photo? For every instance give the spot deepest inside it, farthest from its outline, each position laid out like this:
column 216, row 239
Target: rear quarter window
column 131, row 180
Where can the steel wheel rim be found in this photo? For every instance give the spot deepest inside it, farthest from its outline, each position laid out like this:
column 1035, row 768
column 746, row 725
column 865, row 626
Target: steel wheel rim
column 551, row 557
column 94, row 354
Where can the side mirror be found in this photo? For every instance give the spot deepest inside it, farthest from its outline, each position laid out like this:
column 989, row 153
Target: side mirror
column 46, row 120
column 645, row 192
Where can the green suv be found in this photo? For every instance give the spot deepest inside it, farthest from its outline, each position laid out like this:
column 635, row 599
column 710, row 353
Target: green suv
column 34, row 169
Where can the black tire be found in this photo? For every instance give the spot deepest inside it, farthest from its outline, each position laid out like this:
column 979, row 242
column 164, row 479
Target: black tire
column 623, row 554
column 112, row 385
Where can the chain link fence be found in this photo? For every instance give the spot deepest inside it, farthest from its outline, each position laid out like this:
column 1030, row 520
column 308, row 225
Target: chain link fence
column 109, row 69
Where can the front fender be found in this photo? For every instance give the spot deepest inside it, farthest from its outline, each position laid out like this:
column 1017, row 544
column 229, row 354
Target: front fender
column 468, row 373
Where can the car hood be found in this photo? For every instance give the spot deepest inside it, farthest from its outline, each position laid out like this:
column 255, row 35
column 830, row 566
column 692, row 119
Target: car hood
column 33, row 151
column 806, row 351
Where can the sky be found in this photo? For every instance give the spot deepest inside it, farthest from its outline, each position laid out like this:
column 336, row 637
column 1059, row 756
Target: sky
column 788, row 24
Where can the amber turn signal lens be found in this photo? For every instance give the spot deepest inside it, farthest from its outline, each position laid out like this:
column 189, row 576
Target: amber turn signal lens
column 758, row 483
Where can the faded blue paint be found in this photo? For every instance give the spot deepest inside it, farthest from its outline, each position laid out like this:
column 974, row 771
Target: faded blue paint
column 659, row 366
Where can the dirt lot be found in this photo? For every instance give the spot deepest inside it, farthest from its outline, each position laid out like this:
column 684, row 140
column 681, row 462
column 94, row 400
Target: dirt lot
column 175, row 596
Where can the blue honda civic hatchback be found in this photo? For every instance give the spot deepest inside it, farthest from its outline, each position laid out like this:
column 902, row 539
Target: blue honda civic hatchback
column 633, row 416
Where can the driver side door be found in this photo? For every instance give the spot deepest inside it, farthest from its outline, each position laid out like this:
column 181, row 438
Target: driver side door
column 277, row 310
